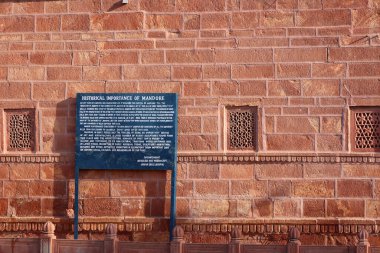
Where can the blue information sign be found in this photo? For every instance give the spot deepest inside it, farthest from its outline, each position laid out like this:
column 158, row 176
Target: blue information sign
column 126, row 131
column 136, row 131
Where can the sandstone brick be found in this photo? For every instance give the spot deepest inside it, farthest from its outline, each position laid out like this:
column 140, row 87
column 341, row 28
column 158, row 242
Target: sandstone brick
column 331, row 125
column 290, row 142
column 163, row 21
column 189, row 56
column 364, row 69
column 354, row 54
column 92, row 189
column 49, row 46
column 26, row 73
column 275, row 101
column 277, row 19
column 284, row 88
column 64, row 73
column 47, row 23
column 362, row 170
column 56, row 7
column 354, row 188
column 300, row 55
column 320, row 41
column 13, row 90
column 301, row 31
column 314, row 188
column 329, row 143
column 211, row 188
column 297, row 124
column 245, row 20
column 17, row 46
column 153, row 87
column 269, row 123
column 14, row 58
column 197, row 89
column 287, row 4
column 24, row 171
column 56, row 58
column 253, row 88
column 200, row 5
column 197, row 142
column 372, row 208
column 209, row 208
column 136, row 207
column 287, row 208
column 49, row 91
column 368, row 18
column 78, row 22
column 216, row 72
column 295, row 110
column 276, row 170
column 252, row 71
column 252, row 188
column 214, row 21
column 186, row 73
column 147, row 72
column 323, row 18
column 82, row 45
column 257, row 5
column 189, row 125
column 263, row 42
column 101, row 73
column 28, row 7
column 133, row 188
column 244, row 56
column 345, row 208
column 280, row 188
column 3, row 207
column 85, row 58
column 56, row 171
column 320, row 87
column 262, row 208
column 17, row 24
column 293, row 70
column 192, row 21
column 84, row 6
column 74, row 88
column 152, row 57
column 102, row 207
column 47, row 189
column 225, row 88
column 54, row 207
column 355, row 87
column 329, row 70
column 209, row 125
column 119, row 57
column 236, row 171
column 16, row 189
column 200, row 171
column 314, row 208
column 26, row 207
column 326, row 111
column 346, row 4
column 6, row 8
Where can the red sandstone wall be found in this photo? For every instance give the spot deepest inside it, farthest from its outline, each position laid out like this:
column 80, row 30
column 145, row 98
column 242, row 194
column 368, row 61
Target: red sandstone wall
column 303, row 63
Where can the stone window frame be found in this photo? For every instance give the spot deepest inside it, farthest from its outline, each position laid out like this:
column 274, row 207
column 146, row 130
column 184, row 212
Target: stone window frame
column 14, row 107
column 352, row 137
column 257, row 128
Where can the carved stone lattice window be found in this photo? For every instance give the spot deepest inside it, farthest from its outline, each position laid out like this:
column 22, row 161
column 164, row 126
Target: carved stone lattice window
column 242, row 128
column 20, row 130
column 365, row 124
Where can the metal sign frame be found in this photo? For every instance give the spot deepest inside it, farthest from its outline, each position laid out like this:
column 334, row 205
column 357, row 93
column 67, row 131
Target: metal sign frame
column 173, row 169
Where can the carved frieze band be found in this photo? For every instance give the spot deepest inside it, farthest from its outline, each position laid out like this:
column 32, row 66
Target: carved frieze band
column 217, row 158
column 268, row 228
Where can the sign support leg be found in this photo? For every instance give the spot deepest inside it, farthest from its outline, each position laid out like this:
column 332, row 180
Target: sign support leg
column 76, row 203
column 173, row 202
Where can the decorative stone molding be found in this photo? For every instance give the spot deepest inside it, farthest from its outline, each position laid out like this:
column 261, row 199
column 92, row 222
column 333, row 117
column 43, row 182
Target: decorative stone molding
column 217, row 158
column 352, row 227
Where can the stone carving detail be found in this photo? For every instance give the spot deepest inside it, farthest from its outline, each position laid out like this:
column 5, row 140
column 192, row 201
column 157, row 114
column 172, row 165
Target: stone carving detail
column 20, row 130
column 242, row 128
column 367, row 130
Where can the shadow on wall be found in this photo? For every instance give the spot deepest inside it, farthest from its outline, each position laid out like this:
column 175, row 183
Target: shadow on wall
column 103, row 193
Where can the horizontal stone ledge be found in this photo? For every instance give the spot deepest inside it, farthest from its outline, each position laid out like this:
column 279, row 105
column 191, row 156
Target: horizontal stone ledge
column 305, row 226
column 217, row 157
